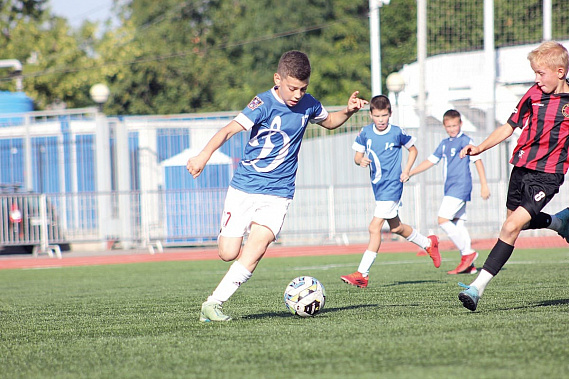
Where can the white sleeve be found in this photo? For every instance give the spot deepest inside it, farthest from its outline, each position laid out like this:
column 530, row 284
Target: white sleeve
column 433, row 159
column 244, row 121
column 359, row 148
column 411, row 143
column 321, row 117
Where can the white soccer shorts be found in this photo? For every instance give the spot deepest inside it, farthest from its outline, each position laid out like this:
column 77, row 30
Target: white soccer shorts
column 452, row 208
column 386, row 209
column 241, row 209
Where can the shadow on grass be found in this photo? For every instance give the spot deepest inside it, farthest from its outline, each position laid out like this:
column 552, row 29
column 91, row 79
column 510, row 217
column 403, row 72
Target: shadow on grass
column 548, row 303
column 545, row 303
column 324, row 311
column 412, row 282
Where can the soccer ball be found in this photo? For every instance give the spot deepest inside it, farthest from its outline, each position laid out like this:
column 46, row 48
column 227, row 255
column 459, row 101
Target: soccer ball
column 305, row 296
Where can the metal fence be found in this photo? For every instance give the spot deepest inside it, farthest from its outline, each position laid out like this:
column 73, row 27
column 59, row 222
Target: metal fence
column 164, row 206
column 78, row 177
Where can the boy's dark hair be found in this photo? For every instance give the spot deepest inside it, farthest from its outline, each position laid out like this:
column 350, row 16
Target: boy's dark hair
column 380, row 102
column 295, row 64
column 452, row 113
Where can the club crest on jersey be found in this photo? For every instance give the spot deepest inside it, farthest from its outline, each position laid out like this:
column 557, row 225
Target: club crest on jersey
column 255, row 103
column 565, row 111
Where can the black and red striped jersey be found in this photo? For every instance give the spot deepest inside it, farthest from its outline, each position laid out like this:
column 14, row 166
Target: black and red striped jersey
column 544, row 142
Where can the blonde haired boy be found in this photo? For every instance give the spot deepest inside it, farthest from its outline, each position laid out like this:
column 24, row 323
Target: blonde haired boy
column 540, row 161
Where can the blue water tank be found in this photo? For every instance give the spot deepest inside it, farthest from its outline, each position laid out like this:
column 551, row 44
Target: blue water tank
column 14, row 102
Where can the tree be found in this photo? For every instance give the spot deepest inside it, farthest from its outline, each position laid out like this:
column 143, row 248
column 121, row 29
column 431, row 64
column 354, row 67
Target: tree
column 54, row 57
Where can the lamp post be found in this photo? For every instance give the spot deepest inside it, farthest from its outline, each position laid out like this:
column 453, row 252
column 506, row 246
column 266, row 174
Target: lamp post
column 375, row 44
column 395, row 83
column 100, row 94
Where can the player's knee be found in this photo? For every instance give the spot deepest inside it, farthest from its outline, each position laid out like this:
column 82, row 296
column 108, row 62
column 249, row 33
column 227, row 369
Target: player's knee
column 511, row 228
column 227, row 253
column 373, row 229
column 226, row 256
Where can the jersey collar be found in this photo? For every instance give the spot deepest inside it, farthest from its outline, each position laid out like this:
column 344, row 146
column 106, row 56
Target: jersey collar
column 376, row 131
column 276, row 95
column 457, row 136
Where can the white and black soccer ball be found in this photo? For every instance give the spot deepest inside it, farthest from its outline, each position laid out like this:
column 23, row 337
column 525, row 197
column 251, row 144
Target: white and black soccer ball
column 305, row 296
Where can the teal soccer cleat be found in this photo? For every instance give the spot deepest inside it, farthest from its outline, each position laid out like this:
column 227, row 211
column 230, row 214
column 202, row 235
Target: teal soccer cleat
column 212, row 311
column 564, row 217
column 469, row 297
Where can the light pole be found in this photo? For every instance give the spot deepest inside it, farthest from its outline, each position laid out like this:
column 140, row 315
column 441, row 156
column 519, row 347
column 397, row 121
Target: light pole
column 395, row 83
column 375, row 44
column 100, row 94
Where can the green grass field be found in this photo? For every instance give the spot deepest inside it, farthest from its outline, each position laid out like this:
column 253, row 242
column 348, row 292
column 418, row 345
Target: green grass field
column 141, row 321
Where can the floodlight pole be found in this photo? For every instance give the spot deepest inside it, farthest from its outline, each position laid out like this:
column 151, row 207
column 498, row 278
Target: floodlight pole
column 375, row 44
column 100, row 94
column 490, row 65
column 547, row 11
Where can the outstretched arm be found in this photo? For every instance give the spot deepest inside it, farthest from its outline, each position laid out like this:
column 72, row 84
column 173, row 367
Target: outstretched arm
column 196, row 164
column 497, row 136
column 336, row 119
column 484, row 190
column 423, row 166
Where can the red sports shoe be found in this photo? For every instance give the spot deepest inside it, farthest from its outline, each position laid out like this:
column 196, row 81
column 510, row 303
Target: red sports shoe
column 433, row 251
column 355, row 279
column 465, row 265
column 469, row 270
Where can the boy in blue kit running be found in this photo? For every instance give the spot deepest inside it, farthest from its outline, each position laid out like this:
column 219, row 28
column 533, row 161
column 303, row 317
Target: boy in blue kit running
column 263, row 185
column 378, row 146
column 540, row 159
column 458, row 187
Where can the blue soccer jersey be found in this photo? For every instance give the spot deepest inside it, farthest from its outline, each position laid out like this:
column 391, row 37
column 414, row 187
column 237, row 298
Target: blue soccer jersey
column 456, row 170
column 383, row 148
column 271, row 156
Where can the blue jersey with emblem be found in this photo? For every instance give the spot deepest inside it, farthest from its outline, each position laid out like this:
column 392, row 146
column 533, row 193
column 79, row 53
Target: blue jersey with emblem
column 383, row 148
column 456, row 170
column 271, row 156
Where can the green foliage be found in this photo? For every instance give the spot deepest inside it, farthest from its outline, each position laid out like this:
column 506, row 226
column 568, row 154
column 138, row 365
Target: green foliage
column 54, row 58
column 179, row 56
column 141, row 321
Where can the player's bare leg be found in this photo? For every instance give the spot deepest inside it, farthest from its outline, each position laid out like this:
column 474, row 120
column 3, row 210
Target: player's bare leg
column 240, row 271
column 515, row 222
column 360, row 278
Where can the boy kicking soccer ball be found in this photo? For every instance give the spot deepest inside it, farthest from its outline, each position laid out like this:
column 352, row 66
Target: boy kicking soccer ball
column 540, row 161
column 263, row 185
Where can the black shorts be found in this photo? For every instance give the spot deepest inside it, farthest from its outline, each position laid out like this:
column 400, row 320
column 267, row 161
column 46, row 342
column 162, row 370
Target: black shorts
column 531, row 189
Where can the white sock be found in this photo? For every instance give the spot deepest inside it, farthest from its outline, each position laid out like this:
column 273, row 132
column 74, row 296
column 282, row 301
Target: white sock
column 419, row 239
column 366, row 262
column 482, row 281
column 460, row 224
column 233, row 279
column 455, row 235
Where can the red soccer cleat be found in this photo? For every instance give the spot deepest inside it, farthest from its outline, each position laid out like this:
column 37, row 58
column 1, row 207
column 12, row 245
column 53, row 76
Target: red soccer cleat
column 466, row 262
column 433, row 251
column 355, row 279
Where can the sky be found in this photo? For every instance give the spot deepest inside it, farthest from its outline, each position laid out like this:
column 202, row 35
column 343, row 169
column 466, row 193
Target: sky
column 77, row 11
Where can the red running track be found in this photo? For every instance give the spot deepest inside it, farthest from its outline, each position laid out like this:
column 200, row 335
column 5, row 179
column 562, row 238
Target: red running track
column 194, row 254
